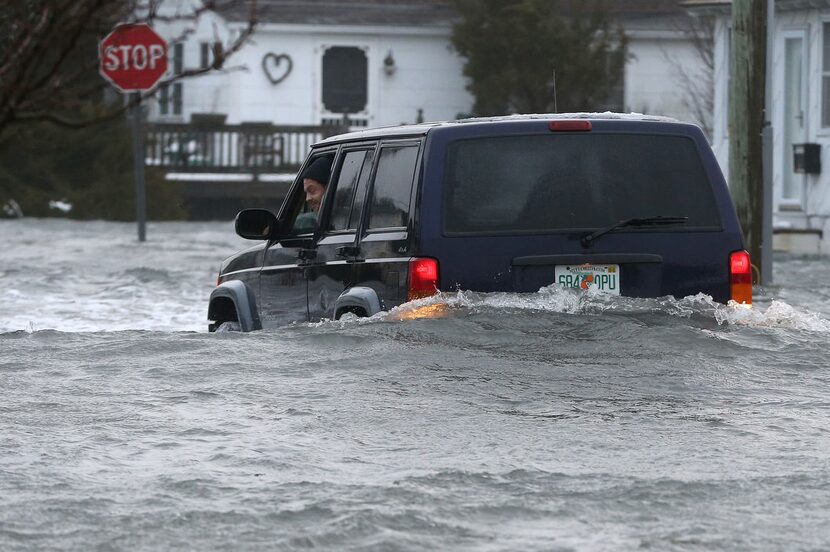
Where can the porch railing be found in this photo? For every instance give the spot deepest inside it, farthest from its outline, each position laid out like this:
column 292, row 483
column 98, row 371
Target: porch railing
column 247, row 147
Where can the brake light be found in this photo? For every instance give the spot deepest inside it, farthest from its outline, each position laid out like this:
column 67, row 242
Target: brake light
column 423, row 278
column 740, row 277
column 569, row 126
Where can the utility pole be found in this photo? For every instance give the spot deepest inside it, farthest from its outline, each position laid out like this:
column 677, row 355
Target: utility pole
column 766, row 235
column 746, row 121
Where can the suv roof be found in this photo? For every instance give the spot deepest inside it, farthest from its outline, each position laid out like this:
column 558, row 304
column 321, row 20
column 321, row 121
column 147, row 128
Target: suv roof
column 422, row 128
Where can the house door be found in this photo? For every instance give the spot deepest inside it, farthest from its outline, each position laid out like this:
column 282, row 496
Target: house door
column 794, row 127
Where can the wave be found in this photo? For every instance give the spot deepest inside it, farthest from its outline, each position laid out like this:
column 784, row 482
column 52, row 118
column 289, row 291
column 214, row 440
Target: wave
column 555, row 299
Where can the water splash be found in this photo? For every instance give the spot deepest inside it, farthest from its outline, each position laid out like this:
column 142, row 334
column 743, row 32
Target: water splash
column 777, row 315
column 556, row 299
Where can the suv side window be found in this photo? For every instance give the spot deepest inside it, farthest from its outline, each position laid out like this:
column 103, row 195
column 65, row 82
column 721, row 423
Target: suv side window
column 389, row 207
column 354, row 173
column 301, row 219
column 360, row 193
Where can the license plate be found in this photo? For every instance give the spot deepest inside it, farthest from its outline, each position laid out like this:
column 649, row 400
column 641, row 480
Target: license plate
column 604, row 278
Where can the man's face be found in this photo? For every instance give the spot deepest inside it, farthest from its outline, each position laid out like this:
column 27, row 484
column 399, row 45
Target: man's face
column 313, row 193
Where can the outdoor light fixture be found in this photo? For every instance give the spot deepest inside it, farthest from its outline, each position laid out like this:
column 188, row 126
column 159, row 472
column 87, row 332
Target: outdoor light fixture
column 389, row 66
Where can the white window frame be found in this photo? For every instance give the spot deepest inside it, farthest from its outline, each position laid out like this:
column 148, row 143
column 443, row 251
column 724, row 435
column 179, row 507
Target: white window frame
column 365, row 117
column 174, row 92
column 796, row 204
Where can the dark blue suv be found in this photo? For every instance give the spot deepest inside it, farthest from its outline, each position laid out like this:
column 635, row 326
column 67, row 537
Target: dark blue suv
column 625, row 205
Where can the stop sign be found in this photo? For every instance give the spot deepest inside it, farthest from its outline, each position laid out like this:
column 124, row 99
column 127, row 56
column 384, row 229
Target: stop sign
column 133, row 57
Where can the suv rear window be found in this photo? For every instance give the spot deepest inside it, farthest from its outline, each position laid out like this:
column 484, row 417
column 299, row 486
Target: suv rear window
column 574, row 181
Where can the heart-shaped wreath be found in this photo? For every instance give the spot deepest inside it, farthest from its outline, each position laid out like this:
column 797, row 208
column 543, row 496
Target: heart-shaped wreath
column 272, row 65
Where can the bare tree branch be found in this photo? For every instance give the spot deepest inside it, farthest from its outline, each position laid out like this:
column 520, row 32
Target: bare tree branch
column 48, row 55
column 698, row 86
column 22, row 39
column 51, row 78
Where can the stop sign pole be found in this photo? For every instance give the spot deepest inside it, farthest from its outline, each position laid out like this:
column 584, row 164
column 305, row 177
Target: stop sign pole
column 133, row 58
column 138, row 169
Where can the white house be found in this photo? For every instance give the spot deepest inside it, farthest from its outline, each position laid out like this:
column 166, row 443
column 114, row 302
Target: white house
column 309, row 62
column 800, row 115
column 390, row 62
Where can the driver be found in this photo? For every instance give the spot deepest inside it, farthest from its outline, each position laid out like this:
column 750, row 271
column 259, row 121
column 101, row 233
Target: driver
column 315, row 179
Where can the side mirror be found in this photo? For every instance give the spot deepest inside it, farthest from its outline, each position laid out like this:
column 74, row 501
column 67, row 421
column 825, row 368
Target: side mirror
column 256, row 224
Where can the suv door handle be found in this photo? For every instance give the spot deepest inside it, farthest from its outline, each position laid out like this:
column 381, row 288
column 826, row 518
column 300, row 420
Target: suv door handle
column 307, row 254
column 348, row 251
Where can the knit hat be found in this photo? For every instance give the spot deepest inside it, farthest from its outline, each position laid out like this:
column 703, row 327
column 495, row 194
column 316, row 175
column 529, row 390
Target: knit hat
column 319, row 170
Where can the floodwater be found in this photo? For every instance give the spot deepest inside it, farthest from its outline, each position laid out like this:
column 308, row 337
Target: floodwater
column 548, row 421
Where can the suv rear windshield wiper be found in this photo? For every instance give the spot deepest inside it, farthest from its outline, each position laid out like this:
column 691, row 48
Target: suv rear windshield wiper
column 588, row 240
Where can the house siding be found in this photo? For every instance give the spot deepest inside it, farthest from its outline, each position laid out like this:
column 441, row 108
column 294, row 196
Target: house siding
column 428, row 75
column 654, row 81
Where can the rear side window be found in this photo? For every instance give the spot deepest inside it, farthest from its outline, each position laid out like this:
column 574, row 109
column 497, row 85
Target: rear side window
column 344, row 192
column 360, row 194
column 393, row 187
column 574, row 181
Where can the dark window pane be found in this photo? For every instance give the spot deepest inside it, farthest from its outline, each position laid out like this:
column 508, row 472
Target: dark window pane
column 204, row 51
column 360, row 194
column 178, row 58
column 393, row 187
column 344, row 191
column 537, row 183
column 164, row 99
column 825, row 101
column 826, row 39
column 345, row 76
column 177, row 98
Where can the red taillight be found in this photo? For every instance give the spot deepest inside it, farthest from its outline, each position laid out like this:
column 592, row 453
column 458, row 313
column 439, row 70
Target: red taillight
column 423, row 278
column 570, row 126
column 740, row 277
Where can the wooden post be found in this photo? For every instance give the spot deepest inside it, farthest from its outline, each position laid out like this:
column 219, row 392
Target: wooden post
column 746, row 120
column 766, row 236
